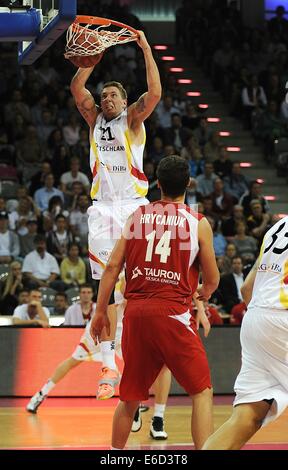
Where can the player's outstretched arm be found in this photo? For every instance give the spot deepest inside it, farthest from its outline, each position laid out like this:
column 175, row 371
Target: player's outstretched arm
column 82, row 96
column 140, row 110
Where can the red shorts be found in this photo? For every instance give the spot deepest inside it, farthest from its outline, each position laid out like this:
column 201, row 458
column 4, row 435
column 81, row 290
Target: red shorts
column 150, row 341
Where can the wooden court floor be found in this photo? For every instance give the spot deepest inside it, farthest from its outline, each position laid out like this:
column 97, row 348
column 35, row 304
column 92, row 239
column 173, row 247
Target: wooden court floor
column 84, row 423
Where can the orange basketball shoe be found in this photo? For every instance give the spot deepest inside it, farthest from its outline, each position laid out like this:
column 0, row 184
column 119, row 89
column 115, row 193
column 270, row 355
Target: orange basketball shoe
column 109, row 379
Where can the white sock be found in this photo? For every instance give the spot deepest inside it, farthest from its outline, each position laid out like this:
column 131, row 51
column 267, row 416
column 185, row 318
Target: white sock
column 115, row 448
column 47, row 387
column 108, row 354
column 159, row 410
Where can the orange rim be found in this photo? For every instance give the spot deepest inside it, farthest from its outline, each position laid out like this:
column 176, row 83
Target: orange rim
column 102, row 21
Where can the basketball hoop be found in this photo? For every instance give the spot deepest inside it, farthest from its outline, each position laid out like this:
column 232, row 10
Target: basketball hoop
column 89, row 35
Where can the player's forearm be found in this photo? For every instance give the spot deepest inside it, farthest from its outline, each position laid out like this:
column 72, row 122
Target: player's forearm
column 247, row 287
column 107, row 284
column 209, row 287
column 210, row 276
column 246, row 294
column 152, row 74
column 80, row 78
column 199, row 305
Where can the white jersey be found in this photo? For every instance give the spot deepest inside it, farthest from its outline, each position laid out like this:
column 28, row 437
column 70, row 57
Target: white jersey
column 22, row 312
column 271, row 283
column 116, row 161
column 74, row 314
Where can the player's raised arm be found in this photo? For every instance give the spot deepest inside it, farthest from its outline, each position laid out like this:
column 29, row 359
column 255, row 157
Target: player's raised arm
column 147, row 102
column 82, row 96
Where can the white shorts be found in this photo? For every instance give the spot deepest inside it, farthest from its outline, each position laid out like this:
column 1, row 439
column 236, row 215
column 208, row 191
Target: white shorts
column 106, row 221
column 119, row 290
column 87, row 350
column 264, row 371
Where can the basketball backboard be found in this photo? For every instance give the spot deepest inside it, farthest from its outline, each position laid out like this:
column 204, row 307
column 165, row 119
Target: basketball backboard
column 35, row 25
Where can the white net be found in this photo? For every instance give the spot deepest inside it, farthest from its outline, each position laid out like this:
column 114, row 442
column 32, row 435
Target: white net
column 84, row 41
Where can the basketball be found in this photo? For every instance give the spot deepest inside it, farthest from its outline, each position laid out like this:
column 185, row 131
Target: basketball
column 85, row 61
column 86, row 42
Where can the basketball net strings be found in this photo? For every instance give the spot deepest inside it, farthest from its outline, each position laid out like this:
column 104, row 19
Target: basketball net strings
column 84, row 41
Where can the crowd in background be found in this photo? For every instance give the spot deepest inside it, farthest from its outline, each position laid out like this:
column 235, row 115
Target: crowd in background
column 249, row 67
column 44, row 148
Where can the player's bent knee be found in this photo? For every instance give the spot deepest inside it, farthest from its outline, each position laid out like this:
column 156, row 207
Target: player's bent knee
column 206, row 392
column 250, row 415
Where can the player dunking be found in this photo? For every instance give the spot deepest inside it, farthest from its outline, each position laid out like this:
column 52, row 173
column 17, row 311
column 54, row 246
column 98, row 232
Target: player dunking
column 119, row 187
column 262, row 384
column 159, row 245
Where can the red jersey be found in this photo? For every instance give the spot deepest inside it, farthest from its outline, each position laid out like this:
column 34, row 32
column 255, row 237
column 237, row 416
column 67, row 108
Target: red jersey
column 161, row 248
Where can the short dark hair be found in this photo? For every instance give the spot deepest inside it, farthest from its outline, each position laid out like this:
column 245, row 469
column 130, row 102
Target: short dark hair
column 39, row 238
column 35, row 289
column 60, row 216
column 53, row 201
column 70, row 245
column 61, row 294
column 173, row 175
column 23, row 290
column 85, row 286
column 118, row 85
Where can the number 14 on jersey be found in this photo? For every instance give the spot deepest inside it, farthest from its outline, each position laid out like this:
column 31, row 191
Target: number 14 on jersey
column 162, row 248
